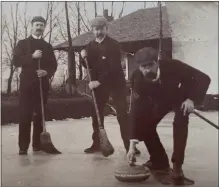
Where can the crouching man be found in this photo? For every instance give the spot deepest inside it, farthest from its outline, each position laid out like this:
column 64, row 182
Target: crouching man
column 158, row 88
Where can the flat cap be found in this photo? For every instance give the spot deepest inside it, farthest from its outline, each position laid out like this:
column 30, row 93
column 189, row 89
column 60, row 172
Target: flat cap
column 99, row 22
column 145, row 55
column 38, row 18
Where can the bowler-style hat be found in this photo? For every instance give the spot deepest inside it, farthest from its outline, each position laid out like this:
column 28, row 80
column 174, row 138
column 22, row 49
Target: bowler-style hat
column 99, row 22
column 38, row 18
column 146, row 55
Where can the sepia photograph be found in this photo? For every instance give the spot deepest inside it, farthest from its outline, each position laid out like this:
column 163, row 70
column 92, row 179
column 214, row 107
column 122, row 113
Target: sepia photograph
column 109, row 93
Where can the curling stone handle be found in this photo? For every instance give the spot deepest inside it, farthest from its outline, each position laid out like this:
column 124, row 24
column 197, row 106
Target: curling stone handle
column 133, row 162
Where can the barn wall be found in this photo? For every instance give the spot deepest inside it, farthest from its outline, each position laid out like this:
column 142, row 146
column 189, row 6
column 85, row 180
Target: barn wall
column 194, row 28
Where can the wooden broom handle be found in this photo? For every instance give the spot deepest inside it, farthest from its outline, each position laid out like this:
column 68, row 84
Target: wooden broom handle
column 41, row 100
column 161, row 32
column 94, row 97
column 205, row 119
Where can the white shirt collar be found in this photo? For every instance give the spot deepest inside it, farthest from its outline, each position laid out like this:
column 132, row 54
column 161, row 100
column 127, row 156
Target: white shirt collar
column 100, row 41
column 36, row 37
column 158, row 75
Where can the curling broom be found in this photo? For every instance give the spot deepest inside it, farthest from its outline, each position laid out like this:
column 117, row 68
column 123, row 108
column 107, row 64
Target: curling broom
column 45, row 138
column 105, row 145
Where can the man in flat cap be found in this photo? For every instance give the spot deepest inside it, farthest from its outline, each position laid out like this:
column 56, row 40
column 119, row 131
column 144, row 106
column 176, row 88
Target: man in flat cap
column 160, row 87
column 104, row 58
column 27, row 54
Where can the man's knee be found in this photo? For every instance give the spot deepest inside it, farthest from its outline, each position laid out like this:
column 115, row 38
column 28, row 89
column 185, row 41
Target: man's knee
column 180, row 119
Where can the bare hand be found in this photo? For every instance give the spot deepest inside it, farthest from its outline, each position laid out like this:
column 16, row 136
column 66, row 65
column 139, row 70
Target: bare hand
column 41, row 73
column 83, row 53
column 135, row 95
column 37, row 54
column 187, row 106
column 131, row 155
column 93, row 84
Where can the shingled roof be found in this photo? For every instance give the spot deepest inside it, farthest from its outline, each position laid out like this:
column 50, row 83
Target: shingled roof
column 140, row 25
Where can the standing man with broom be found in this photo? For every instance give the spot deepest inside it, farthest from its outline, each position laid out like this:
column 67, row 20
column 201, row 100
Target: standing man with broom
column 104, row 58
column 27, row 54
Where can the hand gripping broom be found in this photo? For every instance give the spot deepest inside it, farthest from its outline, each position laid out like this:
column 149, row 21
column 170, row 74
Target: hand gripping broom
column 105, row 145
column 45, row 138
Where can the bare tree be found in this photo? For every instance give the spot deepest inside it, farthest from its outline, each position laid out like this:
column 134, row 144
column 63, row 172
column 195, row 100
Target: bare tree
column 95, row 8
column 25, row 22
column 51, row 21
column 112, row 8
column 61, row 30
column 16, row 27
column 83, row 23
column 79, row 32
column 10, row 39
column 85, row 13
column 103, row 5
column 122, row 9
column 71, row 57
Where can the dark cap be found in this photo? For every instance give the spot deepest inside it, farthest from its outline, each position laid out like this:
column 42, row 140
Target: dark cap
column 38, row 18
column 145, row 55
column 99, row 22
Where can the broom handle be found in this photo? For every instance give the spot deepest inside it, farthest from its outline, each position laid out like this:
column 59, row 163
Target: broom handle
column 130, row 100
column 205, row 119
column 161, row 32
column 94, row 97
column 41, row 99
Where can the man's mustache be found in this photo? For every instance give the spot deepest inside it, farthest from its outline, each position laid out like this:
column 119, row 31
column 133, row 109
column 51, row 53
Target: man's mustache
column 39, row 30
column 151, row 75
column 98, row 35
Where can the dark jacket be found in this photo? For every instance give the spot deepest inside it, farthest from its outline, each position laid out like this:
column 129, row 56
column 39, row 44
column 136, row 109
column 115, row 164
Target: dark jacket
column 23, row 58
column 105, row 63
column 178, row 81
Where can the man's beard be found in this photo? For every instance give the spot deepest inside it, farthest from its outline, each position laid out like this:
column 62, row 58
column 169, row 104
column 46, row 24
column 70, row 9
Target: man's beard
column 100, row 36
column 150, row 76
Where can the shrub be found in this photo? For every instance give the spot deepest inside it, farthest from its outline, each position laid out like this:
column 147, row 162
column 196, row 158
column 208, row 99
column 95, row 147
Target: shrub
column 57, row 109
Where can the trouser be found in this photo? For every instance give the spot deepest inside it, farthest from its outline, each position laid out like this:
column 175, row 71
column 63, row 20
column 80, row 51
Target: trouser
column 29, row 103
column 150, row 115
column 120, row 103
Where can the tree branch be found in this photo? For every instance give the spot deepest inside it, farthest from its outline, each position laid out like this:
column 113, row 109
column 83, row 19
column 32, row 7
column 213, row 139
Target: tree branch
column 103, row 5
column 120, row 14
column 112, row 8
column 9, row 35
column 95, row 8
column 47, row 12
column 82, row 19
column 8, row 53
column 50, row 25
column 60, row 29
column 16, row 27
column 85, row 13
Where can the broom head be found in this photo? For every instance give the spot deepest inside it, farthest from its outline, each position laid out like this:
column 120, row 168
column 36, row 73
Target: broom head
column 105, row 145
column 47, row 145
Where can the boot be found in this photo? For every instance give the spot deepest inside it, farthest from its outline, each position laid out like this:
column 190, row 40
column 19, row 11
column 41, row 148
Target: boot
column 22, row 152
column 93, row 149
column 177, row 170
column 178, row 176
column 36, row 149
